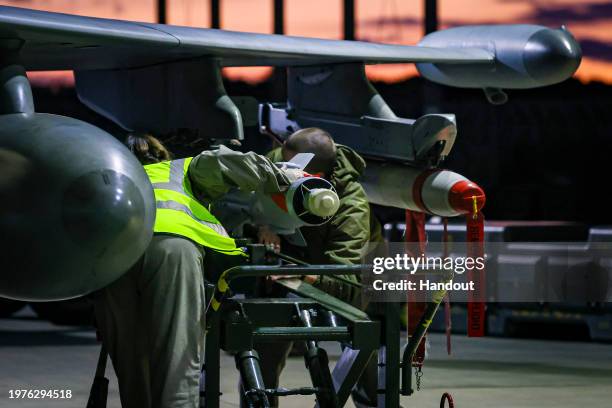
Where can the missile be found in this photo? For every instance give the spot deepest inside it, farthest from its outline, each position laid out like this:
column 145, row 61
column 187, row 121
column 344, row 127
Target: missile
column 525, row 56
column 433, row 191
column 311, row 200
column 308, row 201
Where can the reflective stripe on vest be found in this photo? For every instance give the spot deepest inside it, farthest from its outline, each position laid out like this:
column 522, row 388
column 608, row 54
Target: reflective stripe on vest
column 178, row 212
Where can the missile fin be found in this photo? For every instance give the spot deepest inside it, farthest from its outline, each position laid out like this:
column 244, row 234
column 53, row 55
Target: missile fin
column 301, row 160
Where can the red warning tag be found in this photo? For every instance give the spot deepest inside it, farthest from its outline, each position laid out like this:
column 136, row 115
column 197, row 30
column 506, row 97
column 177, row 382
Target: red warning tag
column 416, row 244
column 477, row 297
column 447, row 305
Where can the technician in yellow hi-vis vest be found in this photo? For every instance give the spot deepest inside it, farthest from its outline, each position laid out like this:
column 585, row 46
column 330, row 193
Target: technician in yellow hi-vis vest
column 152, row 319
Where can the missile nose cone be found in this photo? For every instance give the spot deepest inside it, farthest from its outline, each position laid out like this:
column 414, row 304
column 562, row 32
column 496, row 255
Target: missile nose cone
column 322, row 202
column 551, row 56
column 466, row 197
column 327, row 203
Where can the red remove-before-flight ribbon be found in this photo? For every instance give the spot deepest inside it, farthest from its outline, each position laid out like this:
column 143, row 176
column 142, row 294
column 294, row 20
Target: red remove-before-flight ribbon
column 476, row 298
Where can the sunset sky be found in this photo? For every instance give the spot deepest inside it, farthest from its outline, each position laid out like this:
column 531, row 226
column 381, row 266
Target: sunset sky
column 389, row 21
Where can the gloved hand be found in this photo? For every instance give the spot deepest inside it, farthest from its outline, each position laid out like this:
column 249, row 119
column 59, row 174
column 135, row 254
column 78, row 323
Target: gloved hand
column 293, row 174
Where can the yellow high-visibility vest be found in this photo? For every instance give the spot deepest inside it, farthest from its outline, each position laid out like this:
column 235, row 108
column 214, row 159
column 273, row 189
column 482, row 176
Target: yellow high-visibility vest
column 179, row 213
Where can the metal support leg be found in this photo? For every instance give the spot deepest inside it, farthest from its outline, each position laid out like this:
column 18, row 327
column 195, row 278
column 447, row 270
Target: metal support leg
column 389, row 358
column 99, row 389
column 415, row 339
column 349, row 367
column 211, row 364
column 247, row 362
column 347, row 371
column 317, row 363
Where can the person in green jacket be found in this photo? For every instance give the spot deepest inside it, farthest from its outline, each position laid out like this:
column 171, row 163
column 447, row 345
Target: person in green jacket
column 343, row 240
column 152, row 318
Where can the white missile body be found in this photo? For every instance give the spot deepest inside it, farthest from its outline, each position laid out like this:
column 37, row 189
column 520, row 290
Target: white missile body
column 308, row 201
column 433, row 191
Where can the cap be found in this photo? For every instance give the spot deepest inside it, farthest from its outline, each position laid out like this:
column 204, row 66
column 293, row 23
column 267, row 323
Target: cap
column 322, row 202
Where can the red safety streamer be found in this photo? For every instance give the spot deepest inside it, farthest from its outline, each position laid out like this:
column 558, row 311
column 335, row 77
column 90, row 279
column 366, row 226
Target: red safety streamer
column 447, row 307
column 416, row 243
column 415, row 235
column 477, row 297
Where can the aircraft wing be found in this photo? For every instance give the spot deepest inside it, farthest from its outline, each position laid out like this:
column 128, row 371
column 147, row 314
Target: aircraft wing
column 54, row 41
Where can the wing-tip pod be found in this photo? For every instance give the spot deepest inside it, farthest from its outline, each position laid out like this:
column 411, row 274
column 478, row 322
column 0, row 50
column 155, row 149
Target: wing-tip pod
column 526, row 56
column 552, row 55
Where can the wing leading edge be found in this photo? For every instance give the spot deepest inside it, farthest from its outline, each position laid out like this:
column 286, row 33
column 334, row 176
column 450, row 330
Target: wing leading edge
column 54, row 41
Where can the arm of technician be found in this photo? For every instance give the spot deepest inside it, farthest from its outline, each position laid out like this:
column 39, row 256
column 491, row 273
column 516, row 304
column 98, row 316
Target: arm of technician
column 213, row 173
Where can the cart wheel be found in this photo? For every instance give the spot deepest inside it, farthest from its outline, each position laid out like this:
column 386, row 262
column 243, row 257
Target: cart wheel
column 447, row 397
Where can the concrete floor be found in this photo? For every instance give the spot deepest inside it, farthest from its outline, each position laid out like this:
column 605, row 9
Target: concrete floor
column 487, row 372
